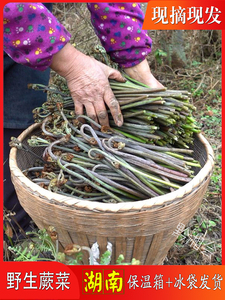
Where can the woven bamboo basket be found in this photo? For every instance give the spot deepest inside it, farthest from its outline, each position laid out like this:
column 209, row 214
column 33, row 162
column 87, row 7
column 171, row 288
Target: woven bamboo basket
column 142, row 230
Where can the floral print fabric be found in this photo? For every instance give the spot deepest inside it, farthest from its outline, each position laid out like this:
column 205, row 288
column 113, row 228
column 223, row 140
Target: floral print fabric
column 32, row 35
column 119, row 28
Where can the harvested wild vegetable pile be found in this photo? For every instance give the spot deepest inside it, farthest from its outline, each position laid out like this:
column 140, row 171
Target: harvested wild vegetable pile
column 158, row 116
column 148, row 156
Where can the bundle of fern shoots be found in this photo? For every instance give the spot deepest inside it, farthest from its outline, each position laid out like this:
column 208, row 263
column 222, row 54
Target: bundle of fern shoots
column 148, row 156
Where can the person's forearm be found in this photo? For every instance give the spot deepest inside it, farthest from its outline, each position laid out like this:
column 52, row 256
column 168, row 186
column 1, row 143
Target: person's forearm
column 119, row 28
column 64, row 60
column 32, row 34
column 142, row 73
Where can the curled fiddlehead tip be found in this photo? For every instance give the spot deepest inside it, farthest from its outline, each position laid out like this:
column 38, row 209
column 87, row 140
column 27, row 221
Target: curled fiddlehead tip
column 59, row 105
column 71, row 249
column 92, row 141
column 106, row 129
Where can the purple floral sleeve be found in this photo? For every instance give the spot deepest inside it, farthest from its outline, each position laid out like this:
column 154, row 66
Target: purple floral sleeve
column 119, row 28
column 32, row 35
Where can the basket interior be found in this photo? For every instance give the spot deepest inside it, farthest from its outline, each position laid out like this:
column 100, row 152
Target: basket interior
column 199, row 154
column 26, row 159
column 144, row 233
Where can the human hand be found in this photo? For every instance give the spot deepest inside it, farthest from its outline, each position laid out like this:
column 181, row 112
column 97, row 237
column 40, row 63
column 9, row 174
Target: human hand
column 88, row 83
column 142, row 73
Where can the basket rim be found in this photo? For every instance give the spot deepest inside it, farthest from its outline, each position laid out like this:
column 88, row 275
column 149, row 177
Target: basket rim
column 112, row 207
